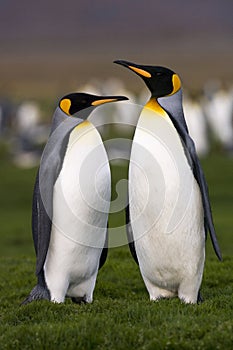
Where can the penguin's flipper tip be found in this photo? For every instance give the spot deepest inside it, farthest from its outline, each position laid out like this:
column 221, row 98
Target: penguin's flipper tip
column 37, row 293
column 219, row 255
column 199, row 298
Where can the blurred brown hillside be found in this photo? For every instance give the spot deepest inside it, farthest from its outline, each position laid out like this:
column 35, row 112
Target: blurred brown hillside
column 52, row 46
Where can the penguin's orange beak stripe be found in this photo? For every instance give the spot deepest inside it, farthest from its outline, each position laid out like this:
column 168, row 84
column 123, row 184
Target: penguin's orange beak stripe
column 100, row 102
column 142, row 72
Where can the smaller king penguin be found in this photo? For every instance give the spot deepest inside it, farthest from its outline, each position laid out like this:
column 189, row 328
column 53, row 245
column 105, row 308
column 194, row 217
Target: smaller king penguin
column 169, row 212
column 71, row 203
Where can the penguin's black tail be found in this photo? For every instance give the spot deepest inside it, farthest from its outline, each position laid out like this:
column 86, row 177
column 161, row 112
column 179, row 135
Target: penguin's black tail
column 37, row 293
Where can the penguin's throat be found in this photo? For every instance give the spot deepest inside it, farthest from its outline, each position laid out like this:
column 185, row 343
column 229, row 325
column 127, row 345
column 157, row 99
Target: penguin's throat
column 153, row 105
column 84, row 124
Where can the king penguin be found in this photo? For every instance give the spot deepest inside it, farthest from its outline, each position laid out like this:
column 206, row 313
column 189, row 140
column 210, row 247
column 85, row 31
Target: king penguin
column 71, row 203
column 169, row 213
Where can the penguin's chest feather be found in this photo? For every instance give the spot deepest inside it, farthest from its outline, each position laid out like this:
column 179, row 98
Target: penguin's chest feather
column 81, row 200
column 165, row 203
column 84, row 180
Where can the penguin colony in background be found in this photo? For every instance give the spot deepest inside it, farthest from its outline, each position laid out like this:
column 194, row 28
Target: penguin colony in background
column 168, row 215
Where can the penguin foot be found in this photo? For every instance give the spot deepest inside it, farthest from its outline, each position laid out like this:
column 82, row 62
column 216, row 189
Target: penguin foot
column 188, row 298
column 161, row 297
column 79, row 300
column 37, row 293
column 157, row 293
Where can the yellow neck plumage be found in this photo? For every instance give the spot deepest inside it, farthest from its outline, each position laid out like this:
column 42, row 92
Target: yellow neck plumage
column 154, row 106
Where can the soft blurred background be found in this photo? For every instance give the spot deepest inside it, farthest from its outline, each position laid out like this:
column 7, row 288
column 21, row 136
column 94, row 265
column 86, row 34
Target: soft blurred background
column 50, row 48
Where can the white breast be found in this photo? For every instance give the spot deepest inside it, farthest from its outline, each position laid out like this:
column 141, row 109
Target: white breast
column 81, row 200
column 82, row 190
column 165, row 203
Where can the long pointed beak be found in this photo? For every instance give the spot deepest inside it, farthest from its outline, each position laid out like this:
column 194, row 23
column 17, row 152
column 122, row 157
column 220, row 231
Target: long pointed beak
column 124, row 63
column 108, row 99
column 140, row 70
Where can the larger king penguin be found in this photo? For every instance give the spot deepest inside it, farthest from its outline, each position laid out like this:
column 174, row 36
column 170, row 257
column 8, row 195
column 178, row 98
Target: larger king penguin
column 169, row 211
column 71, row 203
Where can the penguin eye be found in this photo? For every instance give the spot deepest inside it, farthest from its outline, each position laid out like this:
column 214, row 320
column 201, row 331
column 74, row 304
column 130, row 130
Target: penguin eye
column 84, row 101
column 159, row 73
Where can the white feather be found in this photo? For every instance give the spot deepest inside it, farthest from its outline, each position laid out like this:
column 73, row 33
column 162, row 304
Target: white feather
column 165, row 210
column 80, row 212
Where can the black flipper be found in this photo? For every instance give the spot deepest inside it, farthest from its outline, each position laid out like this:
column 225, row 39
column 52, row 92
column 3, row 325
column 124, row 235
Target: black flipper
column 104, row 253
column 173, row 106
column 199, row 297
column 129, row 232
column 41, row 227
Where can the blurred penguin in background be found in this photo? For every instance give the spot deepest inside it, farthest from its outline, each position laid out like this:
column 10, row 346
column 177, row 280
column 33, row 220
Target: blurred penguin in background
column 196, row 123
column 218, row 107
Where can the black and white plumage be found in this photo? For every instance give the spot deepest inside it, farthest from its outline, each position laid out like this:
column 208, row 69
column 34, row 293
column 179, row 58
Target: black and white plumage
column 169, row 212
column 70, row 203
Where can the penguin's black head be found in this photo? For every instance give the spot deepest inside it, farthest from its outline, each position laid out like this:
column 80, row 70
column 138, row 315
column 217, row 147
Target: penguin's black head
column 75, row 102
column 161, row 81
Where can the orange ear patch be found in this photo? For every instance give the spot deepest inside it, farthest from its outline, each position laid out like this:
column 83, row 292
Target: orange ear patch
column 176, row 83
column 65, row 105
